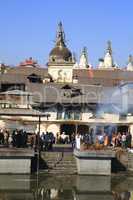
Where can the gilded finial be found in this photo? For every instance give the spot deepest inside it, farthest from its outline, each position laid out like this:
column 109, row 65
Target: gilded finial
column 60, row 35
column 130, row 59
column 109, row 47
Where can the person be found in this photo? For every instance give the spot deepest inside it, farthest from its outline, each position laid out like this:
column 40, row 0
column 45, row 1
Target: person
column 100, row 139
column 128, row 140
column 32, row 140
column 91, row 136
column 86, row 139
column 10, row 140
column 64, row 138
column 113, row 141
column 78, row 141
column 1, row 137
column 46, row 141
column 24, row 136
column 118, row 139
column 19, row 139
column 6, row 137
column 51, row 140
column 57, row 138
column 14, row 137
column 73, row 140
column 106, row 140
column 123, row 139
column 43, row 138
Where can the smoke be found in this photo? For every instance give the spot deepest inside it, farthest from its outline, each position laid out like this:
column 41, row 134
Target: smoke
column 115, row 101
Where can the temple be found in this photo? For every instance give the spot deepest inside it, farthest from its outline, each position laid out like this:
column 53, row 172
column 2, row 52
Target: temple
column 71, row 95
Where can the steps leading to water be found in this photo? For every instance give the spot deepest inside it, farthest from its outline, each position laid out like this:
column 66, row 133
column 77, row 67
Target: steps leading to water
column 60, row 162
column 130, row 161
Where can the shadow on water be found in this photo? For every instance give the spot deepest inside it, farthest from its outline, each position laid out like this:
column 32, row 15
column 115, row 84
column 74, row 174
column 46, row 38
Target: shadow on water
column 26, row 187
column 42, row 163
column 117, row 166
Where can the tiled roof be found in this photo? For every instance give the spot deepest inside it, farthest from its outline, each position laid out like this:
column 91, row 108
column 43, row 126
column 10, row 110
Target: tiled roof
column 103, row 77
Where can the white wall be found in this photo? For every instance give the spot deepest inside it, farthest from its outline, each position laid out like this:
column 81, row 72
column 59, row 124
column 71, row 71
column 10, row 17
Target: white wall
column 61, row 73
column 86, row 116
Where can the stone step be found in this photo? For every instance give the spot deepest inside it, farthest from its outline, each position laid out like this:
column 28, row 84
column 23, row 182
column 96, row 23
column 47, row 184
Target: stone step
column 63, row 165
column 56, row 154
column 59, row 158
column 51, row 156
column 61, row 171
column 60, row 164
column 64, row 173
column 51, row 161
column 68, row 161
column 62, row 160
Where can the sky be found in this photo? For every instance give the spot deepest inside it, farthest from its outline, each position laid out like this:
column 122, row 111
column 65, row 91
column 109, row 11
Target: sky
column 28, row 28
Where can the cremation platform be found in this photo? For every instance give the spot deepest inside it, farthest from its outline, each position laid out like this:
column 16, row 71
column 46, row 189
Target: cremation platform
column 94, row 162
column 15, row 160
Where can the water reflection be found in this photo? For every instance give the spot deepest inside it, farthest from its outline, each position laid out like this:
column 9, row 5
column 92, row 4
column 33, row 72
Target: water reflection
column 20, row 187
column 121, row 196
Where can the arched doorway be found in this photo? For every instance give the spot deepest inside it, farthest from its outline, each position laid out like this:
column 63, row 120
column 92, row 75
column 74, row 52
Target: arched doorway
column 122, row 128
column 82, row 129
column 68, row 128
column 71, row 128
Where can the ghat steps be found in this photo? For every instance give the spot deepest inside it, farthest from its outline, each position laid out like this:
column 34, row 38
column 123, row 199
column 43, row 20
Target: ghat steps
column 60, row 162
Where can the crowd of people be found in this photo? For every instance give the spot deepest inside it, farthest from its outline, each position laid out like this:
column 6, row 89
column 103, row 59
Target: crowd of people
column 22, row 139
column 119, row 139
column 45, row 140
column 18, row 138
column 122, row 140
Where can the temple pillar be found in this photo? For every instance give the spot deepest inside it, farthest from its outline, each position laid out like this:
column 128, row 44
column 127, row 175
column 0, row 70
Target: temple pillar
column 131, row 130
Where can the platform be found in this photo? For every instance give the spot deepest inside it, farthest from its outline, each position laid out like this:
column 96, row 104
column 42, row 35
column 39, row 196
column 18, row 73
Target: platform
column 94, row 162
column 15, row 160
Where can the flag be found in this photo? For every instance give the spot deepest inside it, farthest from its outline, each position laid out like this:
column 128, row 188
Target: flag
column 90, row 73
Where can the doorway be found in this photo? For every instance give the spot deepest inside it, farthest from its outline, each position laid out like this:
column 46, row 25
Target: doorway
column 82, row 129
column 68, row 128
column 122, row 129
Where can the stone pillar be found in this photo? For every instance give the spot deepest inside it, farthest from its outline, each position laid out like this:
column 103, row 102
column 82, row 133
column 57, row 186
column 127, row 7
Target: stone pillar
column 94, row 132
column 2, row 124
column 131, row 130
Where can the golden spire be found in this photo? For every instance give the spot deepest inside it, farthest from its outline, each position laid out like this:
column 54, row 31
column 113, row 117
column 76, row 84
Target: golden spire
column 60, row 36
column 109, row 47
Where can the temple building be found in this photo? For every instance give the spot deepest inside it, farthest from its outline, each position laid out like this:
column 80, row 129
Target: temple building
column 107, row 62
column 60, row 65
column 70, row 96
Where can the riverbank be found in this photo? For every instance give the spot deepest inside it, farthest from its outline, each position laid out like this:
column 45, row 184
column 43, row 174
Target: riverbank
column 62, row 160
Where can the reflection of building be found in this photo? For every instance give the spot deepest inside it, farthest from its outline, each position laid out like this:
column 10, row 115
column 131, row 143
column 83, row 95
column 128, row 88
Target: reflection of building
column 16, row 187
column 85, row 187
column 76, row 96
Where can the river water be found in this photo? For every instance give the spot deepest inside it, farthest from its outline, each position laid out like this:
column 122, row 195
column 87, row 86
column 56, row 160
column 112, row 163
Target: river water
column 66, row 187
